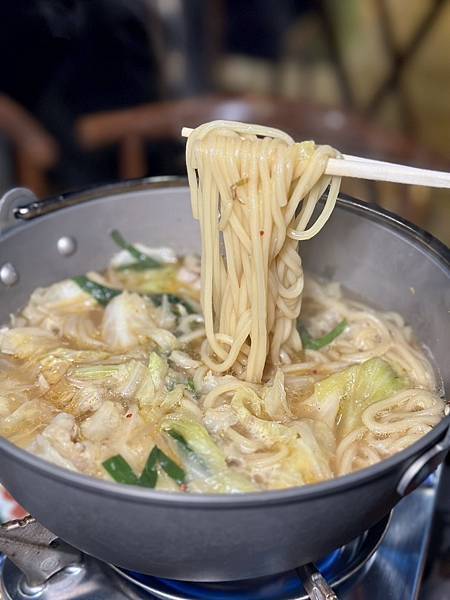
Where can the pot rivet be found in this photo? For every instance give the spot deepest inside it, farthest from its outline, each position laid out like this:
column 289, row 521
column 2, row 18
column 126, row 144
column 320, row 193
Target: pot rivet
column 66, row 245
column 8, row 274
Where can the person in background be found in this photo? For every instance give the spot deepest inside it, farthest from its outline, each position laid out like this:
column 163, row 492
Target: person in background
column 66, row 58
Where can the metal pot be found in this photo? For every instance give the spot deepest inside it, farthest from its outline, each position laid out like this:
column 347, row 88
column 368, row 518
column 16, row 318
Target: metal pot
column 219, row 537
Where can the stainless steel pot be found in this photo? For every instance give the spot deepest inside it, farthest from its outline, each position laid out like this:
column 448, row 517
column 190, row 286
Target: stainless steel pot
column 212, row 537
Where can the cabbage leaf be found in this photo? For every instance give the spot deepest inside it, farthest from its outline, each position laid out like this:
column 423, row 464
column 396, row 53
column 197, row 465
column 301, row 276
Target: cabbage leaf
column 203, row 461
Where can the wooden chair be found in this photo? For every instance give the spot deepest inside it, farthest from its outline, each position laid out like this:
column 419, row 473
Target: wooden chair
column 35, row 150
column 131, row 129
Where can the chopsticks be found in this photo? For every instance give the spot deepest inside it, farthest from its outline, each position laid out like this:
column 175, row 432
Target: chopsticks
column 377, row 170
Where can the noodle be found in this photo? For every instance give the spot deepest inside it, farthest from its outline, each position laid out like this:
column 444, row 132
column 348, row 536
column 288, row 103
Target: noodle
column 251, row 189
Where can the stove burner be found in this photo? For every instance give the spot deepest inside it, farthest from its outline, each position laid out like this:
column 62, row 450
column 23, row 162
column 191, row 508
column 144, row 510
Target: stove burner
column 336, row 568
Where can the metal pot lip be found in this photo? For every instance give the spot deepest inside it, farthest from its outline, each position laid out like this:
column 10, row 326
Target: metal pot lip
column 405, row 229
column 224, row 501
column 372, row 211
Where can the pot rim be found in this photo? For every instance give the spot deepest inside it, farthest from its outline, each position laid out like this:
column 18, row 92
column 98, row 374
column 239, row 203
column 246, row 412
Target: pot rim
column 431, row 246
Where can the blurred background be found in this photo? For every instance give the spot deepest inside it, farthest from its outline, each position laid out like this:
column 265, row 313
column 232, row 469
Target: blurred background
column 97, row 90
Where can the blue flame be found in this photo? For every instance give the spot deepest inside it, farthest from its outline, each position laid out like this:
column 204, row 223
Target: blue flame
column 276, row 587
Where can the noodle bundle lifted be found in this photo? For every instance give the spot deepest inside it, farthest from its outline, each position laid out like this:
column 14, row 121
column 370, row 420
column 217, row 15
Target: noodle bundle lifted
column 249, row 190
column 229, row 373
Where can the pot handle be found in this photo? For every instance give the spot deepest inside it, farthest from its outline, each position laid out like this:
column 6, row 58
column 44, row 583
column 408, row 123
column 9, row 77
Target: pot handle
column 423, row 466
column 9, row 202
column 20, row 204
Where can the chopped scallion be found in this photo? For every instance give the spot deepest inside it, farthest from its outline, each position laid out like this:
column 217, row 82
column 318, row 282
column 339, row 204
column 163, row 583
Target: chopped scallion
column 171, row 468
column 143, row 261
column 149, row 475
column 136, row 266
column 180, row 439
column 120, row 470
column 191, row 387
column 311, row 344
column 173, row 299
column 99, row 292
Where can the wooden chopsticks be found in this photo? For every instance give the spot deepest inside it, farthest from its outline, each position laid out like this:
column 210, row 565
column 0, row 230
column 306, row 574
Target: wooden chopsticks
column 376, row 170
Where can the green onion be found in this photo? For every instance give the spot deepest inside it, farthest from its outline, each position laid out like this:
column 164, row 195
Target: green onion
column 173, row 299
column 180, row 439
column 171, row 468
column 191, row 387
column 137, row 266
column 99, row 292
column 104, row 294
column 149, row 475
column 143, row 261
column 318, row 343
column 120, row 470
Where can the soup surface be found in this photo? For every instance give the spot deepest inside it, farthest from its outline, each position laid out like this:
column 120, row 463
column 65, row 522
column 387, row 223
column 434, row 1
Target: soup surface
column 103, row 374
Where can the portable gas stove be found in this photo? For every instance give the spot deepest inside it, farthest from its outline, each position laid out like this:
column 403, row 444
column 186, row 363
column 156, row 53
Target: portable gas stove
column 384, row 563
